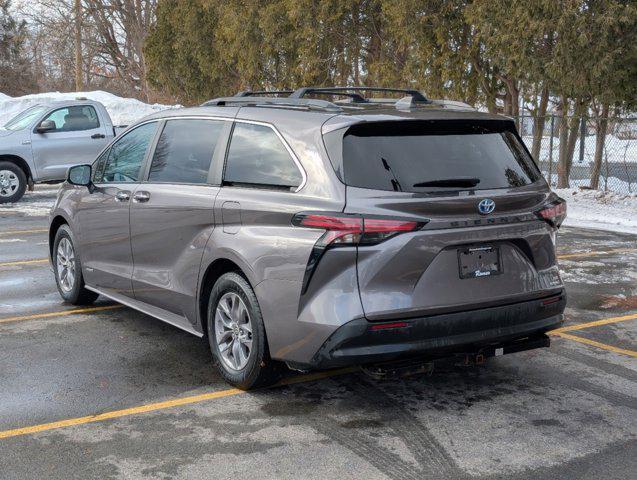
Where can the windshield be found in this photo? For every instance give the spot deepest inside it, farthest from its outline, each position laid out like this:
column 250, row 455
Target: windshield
column 24, row 118
column 431, row 156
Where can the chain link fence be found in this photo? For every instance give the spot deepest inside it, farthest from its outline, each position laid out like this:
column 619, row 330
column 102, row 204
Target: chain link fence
column 618, row 172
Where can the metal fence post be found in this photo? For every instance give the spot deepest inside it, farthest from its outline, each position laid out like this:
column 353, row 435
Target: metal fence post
column 551, row 150
column 606, row 163
column 582, row 138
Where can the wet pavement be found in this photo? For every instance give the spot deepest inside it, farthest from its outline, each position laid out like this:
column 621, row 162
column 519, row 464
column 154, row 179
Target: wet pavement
column 564, row 412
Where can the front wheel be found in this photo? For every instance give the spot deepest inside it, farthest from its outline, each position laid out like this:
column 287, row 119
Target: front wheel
column 13, row 182
column 68, row 269
column 237, row 335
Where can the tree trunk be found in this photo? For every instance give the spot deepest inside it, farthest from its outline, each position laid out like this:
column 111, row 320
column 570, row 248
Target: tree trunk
column 600, row 140
column 573, row 131
column 539, row 120
column 563, row 168
column 79, row 84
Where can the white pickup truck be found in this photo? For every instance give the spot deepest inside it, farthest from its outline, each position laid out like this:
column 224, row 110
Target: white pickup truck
column 39, row 144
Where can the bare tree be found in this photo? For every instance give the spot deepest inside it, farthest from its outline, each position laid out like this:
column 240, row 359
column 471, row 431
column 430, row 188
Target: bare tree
column 80, row 44
column 121, row 27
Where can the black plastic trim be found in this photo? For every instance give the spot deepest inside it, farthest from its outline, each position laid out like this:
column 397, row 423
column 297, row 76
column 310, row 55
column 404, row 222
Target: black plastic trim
column 438, row 336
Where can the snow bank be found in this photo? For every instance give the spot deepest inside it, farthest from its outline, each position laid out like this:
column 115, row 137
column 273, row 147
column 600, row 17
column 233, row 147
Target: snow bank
column 123, row 111
column 600, row 210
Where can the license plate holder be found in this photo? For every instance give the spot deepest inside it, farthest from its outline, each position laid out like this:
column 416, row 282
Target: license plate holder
column 479, row 261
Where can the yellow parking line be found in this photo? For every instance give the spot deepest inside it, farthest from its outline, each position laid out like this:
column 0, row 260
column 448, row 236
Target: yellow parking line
column 151, row 407
column 60, row 313
column 596, row 323
column 596, row 253
column 593, row 343
column 24, row 262
column 19, row 232
column 118, row 413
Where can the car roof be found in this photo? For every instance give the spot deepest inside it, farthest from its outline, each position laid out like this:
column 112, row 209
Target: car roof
column 348, row 113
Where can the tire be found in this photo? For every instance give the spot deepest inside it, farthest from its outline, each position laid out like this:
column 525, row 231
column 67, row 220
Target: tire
column 13, row 182
column 65, row 259
column 258, row 369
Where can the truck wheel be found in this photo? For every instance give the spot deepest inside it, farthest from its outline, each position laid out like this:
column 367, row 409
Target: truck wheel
column 13, row 182
column 237, row 335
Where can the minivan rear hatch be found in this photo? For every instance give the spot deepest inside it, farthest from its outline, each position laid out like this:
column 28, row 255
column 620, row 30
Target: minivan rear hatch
column 475, row 193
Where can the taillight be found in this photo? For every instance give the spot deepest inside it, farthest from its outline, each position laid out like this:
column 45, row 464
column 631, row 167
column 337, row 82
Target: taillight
column 554, row 213
column 347, row 230
column 342, row 229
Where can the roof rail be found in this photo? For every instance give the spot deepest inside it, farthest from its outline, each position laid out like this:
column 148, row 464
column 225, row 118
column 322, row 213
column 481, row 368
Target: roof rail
column 302, row 92
column 251, row 93
column 248, row 101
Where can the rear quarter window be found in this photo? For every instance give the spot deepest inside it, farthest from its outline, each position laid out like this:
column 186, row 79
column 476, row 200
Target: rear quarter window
column 257, row 157
column 412, row 156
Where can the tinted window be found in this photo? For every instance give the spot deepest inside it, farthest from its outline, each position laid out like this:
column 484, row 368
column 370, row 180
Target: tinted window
column 257, row 156
column 71, row 119
column 184, row 151
column 413, row 156
column 126, row 155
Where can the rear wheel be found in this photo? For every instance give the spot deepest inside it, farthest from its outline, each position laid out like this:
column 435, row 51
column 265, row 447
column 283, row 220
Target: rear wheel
column 68, row 269
column 13, row 182
column 237, row 335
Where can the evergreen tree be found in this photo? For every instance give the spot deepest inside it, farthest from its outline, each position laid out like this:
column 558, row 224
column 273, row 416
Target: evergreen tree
column 16, row 77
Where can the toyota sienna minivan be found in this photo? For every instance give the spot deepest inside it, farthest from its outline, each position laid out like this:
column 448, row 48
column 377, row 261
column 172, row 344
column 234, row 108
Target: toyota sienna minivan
column 293, row 230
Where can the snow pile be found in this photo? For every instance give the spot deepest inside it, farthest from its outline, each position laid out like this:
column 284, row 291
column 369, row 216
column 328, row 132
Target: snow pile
column 601, row 210
column 123, row 111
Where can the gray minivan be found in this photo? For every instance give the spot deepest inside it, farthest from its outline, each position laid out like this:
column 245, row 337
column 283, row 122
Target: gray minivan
column 315, row 234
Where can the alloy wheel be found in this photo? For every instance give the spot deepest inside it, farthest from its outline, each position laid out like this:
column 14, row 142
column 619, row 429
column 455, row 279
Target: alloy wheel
column 233, row 331
column 65, row 262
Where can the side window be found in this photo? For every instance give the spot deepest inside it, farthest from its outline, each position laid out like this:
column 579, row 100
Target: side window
column 72, row 119
column 184, row 151
column 257, row 157
column 126, row 155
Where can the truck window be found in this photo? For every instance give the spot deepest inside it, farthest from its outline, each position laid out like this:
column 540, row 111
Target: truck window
column 73, row 119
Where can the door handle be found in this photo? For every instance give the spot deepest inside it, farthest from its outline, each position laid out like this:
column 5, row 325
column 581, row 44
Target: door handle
column 95, row 136
column 122, row 196
column 141, row 197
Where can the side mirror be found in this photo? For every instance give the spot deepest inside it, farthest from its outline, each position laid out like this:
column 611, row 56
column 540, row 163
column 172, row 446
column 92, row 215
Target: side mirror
column 46, row 126
column 79, row 175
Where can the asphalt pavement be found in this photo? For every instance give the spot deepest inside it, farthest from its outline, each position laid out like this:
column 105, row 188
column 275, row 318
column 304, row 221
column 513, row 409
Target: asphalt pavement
column 106, row 392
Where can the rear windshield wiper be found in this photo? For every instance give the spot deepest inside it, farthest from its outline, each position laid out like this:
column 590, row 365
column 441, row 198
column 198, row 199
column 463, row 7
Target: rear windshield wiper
column 450, row 183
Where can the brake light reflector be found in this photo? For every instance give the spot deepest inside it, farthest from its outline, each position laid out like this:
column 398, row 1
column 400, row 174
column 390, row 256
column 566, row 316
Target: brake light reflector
column 388, row 326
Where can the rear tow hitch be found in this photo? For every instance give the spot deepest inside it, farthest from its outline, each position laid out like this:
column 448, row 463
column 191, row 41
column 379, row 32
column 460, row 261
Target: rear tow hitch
column 400, row 368
column 479, row 356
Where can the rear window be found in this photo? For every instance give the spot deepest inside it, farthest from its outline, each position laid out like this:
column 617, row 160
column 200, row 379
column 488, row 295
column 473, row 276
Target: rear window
column 431, row 156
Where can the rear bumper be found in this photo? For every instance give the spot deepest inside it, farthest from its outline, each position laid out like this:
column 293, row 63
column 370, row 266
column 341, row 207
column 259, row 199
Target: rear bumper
column 357, row 343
